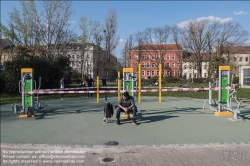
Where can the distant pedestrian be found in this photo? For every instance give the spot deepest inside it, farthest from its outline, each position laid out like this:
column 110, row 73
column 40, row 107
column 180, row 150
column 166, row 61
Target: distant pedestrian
column 89, row 83
column 104, row 82
column 62, row 85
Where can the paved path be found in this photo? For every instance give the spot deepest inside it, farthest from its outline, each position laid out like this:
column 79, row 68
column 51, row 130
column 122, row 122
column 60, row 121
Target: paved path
column 171, row 155
column 181, row 132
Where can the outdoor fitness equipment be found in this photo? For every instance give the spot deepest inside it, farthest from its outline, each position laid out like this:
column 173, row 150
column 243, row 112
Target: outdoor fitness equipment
column 27, row 84
column 224, row 106
column 129, row 81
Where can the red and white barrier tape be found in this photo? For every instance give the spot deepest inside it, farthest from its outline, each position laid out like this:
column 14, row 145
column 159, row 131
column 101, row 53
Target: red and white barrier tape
column 102, row 87
column 120, row 91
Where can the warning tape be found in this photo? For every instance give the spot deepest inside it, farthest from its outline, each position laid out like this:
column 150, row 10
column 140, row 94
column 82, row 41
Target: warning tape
column 120, row 91
column 101, row 87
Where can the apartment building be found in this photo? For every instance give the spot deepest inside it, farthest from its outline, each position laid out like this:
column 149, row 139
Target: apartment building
column 150, row 56
column 237, row 56
column 91, row 60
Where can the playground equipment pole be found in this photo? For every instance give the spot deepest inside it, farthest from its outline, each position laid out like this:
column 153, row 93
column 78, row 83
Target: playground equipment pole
column 97, row 88
column 119, row 86
column 139, row 82
column 160, row 73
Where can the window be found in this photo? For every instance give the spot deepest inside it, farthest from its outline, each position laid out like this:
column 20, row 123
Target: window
column 178, row 73
column 195, row 75
column 168, row 57
column 195, row 67
column 153, row 73
column 172, row 64
column 148, row 65
column 173, row 74
column 167, row 65
column 153, row 57
column 148, row 73
column 168, row 73
column 178, row 64
column 163, row 73
column 178, row 57
column 205, row 75
column 246, row 59
column 235, row 59
column 185, row 75
column 173, row 56
column 135, row 64
column 157, row 72
column 205, row 67
column 153, row 65
column 142, row 65
column 246, row 77
column 240, row 59
column 190, row 75
column 143, row 72
column 162, row 57
column 136, row 56
column 190, row 67
column 147, row 57
column 142, row 57
column 185, row 66
column 136, row 72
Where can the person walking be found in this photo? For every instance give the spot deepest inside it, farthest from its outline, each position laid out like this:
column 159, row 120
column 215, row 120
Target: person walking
column 62, row 85
column 89, row 83
column 104, row 81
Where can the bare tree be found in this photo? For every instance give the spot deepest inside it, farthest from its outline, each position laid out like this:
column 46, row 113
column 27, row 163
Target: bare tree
column 90, row 39
column 43, row 23
column 111, row 39
column 125, row 60
column 175, row 31
column 194, row 40
column 199, row 37
column 155, row 40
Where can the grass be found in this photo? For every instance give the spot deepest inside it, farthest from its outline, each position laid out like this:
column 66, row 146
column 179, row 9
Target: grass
column 7, row 98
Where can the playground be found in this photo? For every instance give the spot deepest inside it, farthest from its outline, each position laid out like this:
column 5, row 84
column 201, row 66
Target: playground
column 177, row 125
column 79, row 121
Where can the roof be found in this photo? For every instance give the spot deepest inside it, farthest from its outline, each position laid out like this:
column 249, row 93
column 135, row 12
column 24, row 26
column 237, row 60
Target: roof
column 192, row 58
column 237, row 49
column 158, row 47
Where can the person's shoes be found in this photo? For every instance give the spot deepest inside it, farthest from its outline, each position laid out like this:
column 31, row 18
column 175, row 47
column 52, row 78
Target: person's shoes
column 87, row 97
column 61, row 98
column 104, row 120
column 134, row 122
column 118, row 122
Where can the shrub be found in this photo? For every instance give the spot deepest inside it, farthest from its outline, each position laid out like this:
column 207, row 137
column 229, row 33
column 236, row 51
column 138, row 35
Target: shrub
column 172, row 79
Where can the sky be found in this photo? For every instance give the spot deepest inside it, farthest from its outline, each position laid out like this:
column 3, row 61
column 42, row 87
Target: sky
column 134, row 16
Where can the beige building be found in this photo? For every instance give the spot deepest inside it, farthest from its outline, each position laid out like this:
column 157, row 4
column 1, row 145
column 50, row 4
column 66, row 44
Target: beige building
column 244, row 76
column 238, row 56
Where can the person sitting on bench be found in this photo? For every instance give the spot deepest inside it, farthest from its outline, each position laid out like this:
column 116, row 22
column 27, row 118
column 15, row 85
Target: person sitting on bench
column 126, row 105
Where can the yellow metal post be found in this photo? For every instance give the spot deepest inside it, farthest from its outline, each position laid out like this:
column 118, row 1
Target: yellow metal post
column 97, row 88
column 160, row 74
column 119, row 86
column 139, row 82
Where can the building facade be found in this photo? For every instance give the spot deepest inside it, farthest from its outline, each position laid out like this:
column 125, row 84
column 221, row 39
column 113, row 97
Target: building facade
column 237, row 56
column 190, row 69
column 91, row 61
column 150, row 56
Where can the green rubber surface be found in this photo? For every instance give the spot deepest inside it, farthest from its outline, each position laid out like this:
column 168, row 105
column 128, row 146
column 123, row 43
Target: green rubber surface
column 79, row 121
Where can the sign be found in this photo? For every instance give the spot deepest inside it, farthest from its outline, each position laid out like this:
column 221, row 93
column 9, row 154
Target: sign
column 27, row 97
